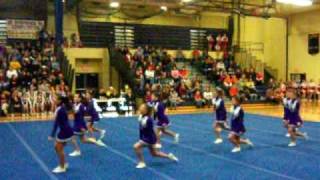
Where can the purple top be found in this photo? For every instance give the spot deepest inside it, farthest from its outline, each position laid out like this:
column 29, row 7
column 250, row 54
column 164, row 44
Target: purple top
column 294, row 112
column 160, row 115
column 237, row 120
column 286, row 102
column 146, row 130
column 62, row 122
column 92, row 112
column 79, row 121
column 221, row 112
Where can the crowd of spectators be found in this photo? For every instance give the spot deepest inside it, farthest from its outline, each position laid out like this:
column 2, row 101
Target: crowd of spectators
column 30, row 77
column 306, row 90
column 156, row 70
column 228, row 75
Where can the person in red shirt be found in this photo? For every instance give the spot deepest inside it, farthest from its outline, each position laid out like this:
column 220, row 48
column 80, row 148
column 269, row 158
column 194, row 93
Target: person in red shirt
column 210, row 39
column 233, row 91
column 224, row 42
column 198, row 99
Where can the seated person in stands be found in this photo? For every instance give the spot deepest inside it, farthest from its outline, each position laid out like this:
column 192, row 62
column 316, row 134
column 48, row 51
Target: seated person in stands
column 195, row 56
column 175, row 74
column 130, row 100
column 234, row 79
column 158, row 74
column 147, row 97
column 12, row 73
column 173, row 99
column 75, row 41
column 182, row 91
column 250, row 89
column 183, row 72
column 102, row 94
column 221, row 66
column 259, row 78
column 227, row 82
column 252, row 74
column 149, row 74
column 179, row 55
column 4, row 104
column 208, row 96
column 16, row 104
column 234, row 90
column 111, row 93
column 198, row 99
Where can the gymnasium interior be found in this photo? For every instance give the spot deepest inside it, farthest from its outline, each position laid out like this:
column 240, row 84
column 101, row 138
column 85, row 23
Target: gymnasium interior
column 185, row 52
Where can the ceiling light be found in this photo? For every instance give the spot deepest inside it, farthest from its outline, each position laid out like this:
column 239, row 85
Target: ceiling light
column 164, row 8
column 186, row 1
column 296, row 2
column 114, row 4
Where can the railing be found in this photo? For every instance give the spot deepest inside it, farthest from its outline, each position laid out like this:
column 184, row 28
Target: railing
column 65, row 66
column 251, row 46
column 117, row 60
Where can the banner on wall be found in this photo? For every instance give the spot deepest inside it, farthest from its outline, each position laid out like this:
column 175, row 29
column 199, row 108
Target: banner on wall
column 23, row 29
column 313, row 44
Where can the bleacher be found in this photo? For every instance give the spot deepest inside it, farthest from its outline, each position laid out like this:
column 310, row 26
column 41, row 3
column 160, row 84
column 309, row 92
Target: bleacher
column 94, row 34
column 104, row 34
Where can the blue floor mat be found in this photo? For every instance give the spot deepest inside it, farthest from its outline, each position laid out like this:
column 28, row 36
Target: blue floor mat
column 27, row 154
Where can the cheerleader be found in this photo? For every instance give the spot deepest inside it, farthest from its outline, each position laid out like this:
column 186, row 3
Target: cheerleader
column 93, row 117
column 162, row 120
column 53, row 99
column 64, row 135
column 80, row 127
column 286, row 102
column 224, row 42
column 221, row 116
column 304, row 89
column 148, row 137
column 312, row 91
column 318, row 91
column 33, row 100
column 237, row 126
column 295, row 120
column 26, row 103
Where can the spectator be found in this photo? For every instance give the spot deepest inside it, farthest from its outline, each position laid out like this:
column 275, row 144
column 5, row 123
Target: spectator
column 11, row 73
column 208, row 96
column 233, row 91
column 198, row 99
column 210, row 40
column 180, row 56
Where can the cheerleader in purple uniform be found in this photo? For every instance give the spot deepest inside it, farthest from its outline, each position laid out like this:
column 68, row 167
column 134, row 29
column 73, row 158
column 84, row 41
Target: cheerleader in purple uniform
column 94, row 117
column 295, row 120
column 80, row 127
column 64, row 135
column 286, row 102
column 221, row 116
column 237, row 126
column 148, row 137
column 162, row 120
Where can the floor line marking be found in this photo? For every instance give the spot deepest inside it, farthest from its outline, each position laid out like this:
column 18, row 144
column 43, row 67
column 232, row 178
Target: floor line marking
column 162, row 175
column 223, row 158
column 34, row 155
column 261, row 144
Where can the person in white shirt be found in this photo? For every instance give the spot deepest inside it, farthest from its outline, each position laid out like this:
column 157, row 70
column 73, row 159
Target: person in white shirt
column 208, row 95
column 149, row 73
column 12, row 73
